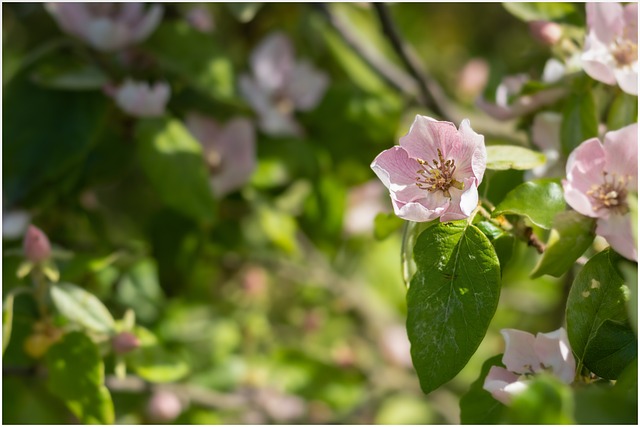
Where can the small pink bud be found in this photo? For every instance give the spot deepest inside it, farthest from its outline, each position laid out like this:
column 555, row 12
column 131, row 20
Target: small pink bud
column 125, row 342
column 164, row 407
column 36, row 245
column 547, row 33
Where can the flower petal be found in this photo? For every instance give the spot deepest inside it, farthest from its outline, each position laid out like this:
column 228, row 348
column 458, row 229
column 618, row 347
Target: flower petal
column 148, row 23
column 554, row 351
column 621, row 153
column 415, row 211
column 627, row 78
column 107, row 35
column 630, row 16
column 462, row 202
column 307, row 86
column 396, row 169
column 426, row 136
column 236, row 145
column 519, row 355
column 597, row 61
column 585, row 166
column 497, row 381
column 73, row 18
column 617, row 229
column 204, row 129
column 272, row 61
column 469, row 152
column 605, row 20
column 545, row 132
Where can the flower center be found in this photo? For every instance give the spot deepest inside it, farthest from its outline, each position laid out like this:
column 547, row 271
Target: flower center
column 625, row 52
column 611, row 194
column 438, row 177
column 214, row 162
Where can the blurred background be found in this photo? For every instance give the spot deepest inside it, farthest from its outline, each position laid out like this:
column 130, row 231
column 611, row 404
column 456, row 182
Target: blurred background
column 279, row 301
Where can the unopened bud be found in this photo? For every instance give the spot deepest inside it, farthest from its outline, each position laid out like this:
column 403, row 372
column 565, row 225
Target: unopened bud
column 36, row 245
column 125, row 342
column 547, row 33
column 164, row 407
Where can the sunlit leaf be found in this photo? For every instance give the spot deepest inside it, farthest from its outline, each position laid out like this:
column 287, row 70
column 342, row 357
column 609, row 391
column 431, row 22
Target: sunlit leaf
column 502, row 157
column 539, row 200
column 82, row 307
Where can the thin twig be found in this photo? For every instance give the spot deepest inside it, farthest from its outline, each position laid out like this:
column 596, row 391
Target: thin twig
column 533, row 240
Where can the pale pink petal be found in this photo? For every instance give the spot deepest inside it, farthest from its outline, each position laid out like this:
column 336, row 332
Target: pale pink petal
column 396, row 169
column 236, row 145
column 497, row 381
column 130, row 12
column 415, row 211
column 275, row 123
column 255, row 94
column 107, row 35
column 272, row 62
column 554, row 351
column 621, row 153
column 585, row 168
column 141, row 100
column 204, row 129
column 605, row 20
column 630, row 16
column 148, row 23
column 469, row 152
column 462, row 202
column 73, row 18
column 627, row 78
column 496, row 111
column 597, row 61
column 307, row 86
column 618, row 231
column 553, row 71
column 545, row 132
column 519, row 355
column 426, row 136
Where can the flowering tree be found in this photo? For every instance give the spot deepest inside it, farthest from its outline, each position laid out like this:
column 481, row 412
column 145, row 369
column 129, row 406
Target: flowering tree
column 193, row 230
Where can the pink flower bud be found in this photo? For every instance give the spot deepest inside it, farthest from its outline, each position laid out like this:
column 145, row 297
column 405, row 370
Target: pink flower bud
column 164, row 407
column 125, row 342
column 36, row 245
column 547, row 33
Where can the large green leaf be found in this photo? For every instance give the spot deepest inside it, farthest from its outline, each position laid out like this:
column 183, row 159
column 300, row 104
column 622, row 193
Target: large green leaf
column 579, row 120
column 76, row 375
column 572, row 234
column 547, row 400
column 452, row 298
column 172, row 160
column 502, row 241
column 613, row 347
column 598, row 294
column 82, row 307
column 539, row 200
column 502, row 157
column 478, row 406
column 623, row 111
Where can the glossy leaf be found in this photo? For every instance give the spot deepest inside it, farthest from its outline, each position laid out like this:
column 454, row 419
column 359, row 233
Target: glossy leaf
column 623, row 111
column 502, row 157
column 539, row 200
column 613, row 347
column 579, row 120
column 478, row 406
column 172, row 160
column 452, row 298
column 572, row 234
column 82, row 307
column 546, row 400
column 76, row 375
column 597, row 295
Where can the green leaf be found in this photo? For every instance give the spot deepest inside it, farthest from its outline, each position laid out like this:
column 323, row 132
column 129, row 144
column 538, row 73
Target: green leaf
column 539, row 200
column 600, row 403
column 630, row 273
column 82, row 307
column 172, row 160
column 623, row 111
column 244, row 12
column 613, row 347
column 477, row 406
column 7, row 315
column 62, row 72
column 452, row 298
column 598, row 294
column 140, row 289
column 579, row 120
column 502, row 242
column 561, row 12
column 385, row 224
column 502, row 157
column 154, row 363
column 546, row 400
column 76, row 375
column 572, row 234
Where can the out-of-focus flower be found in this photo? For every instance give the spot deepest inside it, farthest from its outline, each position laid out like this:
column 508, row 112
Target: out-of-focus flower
column 611, row 47
column 525, row 355
column 200, row 18
column 396, row 346
column 546, row 32
column 545, row 134
column 107, row 26
column 164, row 406
column 36, row 245
column 509, row 104
column 435, row 171
column 229, row 150
column 599, row 178
column 124, row 342
column 279, row 85
column 473, row 77
column 141, row 99
column 364, row 202
column 280, row 407
column 14, row 223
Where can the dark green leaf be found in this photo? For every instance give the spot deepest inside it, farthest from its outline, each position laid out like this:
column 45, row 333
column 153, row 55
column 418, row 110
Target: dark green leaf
column 579, row 120
column 452, row 298
column 478, row 406
column 82, row 307
column 623, row 111
column 572, row 234
column 539, row 200
column 172, row 160
column 385, row 224
column 76, row 375
column 613, row 347
column 546, row 400
column 597, row 295
column 140, row 289
column 502, row 157
column 502, row 242
column 66, row 73
column 603, row 404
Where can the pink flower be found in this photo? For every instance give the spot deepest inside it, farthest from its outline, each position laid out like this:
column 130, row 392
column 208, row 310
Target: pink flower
column 280, row 85
column 599, row 178
column 473, row 77
column 435, row 171
column 611, row 47
column 546, row 32
column 36, row 245
column 164, row 406
column 525, row 355
column 200, row 18
column 229, row 150
column 545, row 134
column 141, row 99
column 125, row 342
column 107, row 26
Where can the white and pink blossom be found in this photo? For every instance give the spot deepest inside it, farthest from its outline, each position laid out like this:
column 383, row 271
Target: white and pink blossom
column 141, row 99
column 229, row 150
column 107, row 26
column 611, row 47
column 435, row 171
column 526, row 355
column 599, row 179
column 545, row 134
column 280, row 85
